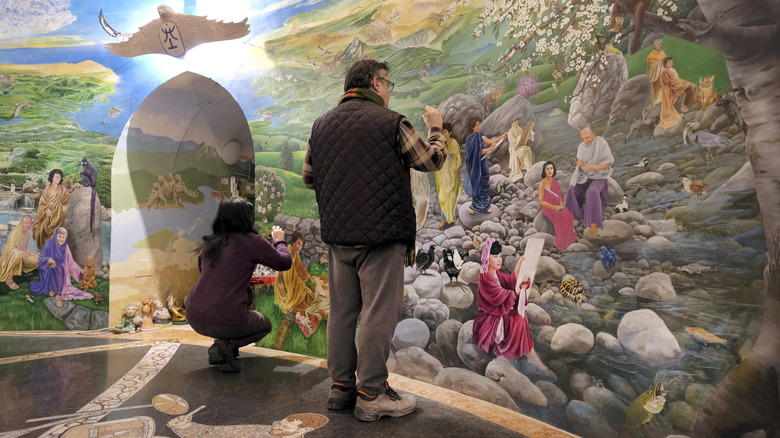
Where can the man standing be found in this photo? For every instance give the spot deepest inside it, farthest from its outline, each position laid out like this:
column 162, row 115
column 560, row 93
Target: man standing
column 655, row 65
column 358, row 162
column 589, row 182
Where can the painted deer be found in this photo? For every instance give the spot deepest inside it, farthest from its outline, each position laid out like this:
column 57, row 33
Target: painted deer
column 493, row 98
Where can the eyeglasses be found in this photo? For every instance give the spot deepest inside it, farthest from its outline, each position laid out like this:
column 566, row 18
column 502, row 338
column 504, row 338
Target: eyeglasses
column 390, row 85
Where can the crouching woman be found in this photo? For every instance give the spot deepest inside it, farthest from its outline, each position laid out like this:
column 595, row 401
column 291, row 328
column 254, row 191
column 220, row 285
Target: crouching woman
column 218, row 305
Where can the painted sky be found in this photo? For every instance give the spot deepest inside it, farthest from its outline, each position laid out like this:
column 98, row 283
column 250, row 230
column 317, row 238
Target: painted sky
column 69, row 31
column 39, row 18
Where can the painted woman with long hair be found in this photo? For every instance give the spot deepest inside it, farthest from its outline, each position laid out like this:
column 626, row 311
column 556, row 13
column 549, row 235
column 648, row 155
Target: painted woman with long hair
column 554, row 208
column 52, row 207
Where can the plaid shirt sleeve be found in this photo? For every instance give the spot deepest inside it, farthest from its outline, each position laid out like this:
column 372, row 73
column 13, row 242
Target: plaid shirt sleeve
column 415, row 152
column 308, row 172
column 418, row 154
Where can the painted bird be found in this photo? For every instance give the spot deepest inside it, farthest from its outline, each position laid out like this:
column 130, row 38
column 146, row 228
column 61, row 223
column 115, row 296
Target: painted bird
column 730, row 104
column 695, row 188
column 453, row 263
column 19, row 107
column 121, row 36
column 174, row 34
column 623, row 206
column 608, row 257
column 644, row 122
column 424, row 260
column 643, row 163
column 704, row 139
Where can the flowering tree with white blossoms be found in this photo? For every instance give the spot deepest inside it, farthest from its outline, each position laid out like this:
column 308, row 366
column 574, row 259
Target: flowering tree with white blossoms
column 539, row 30
column 560, row 32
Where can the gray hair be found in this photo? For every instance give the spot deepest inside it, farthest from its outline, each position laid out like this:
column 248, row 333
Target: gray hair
column 587, row 125
column 362, row 72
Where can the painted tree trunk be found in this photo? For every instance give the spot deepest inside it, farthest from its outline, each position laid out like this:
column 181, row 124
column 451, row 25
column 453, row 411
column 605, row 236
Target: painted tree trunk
column 746, row 32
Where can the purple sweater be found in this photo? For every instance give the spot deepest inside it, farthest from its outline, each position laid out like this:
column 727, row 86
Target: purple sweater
column 220, row 297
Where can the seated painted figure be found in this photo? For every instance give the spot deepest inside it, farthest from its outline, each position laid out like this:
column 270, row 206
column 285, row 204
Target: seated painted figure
column 17, row 258
column 587, row 194
column 501, row 323
column 553, row 207
column 56, row 268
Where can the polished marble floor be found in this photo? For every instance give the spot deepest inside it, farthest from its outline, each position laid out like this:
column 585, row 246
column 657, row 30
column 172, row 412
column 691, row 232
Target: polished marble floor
column 54, row 386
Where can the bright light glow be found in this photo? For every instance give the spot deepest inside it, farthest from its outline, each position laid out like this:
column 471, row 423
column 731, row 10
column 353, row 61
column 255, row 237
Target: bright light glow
column 217, row 59
column 233, row 10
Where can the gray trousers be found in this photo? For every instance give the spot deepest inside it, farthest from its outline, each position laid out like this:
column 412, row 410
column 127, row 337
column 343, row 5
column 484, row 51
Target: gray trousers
column 368, row 283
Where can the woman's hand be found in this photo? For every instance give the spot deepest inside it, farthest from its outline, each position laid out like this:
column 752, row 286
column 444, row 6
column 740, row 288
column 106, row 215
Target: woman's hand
column 52, row 263
column 277, row 233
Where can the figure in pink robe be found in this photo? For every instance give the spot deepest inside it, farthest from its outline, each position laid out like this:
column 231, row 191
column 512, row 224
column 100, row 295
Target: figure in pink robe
column 501, row 323
column 553, row 207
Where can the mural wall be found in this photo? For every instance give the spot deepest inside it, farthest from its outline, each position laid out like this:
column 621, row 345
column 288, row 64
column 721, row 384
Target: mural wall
column 659, row 320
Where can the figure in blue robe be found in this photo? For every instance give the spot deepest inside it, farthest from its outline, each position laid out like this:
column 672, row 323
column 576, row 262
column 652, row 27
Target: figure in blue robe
column 477, row 184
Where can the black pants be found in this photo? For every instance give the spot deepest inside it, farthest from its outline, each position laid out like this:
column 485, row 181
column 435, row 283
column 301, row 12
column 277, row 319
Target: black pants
column 254, row 330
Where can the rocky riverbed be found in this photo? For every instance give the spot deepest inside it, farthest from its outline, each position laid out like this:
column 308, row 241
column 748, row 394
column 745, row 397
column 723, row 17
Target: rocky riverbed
column 680, row 307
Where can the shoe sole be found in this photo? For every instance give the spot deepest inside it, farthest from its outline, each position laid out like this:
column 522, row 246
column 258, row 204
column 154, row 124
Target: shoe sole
column 362, row 415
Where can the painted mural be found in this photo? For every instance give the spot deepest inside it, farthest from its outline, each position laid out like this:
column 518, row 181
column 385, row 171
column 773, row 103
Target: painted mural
column 651, row 311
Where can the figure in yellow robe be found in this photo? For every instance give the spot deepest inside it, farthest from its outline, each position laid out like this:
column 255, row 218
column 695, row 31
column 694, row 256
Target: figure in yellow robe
column 17, row 257
column 655, row 65
column 673, row 87
column 52, row 208
column 290, row 291
column 448, row 184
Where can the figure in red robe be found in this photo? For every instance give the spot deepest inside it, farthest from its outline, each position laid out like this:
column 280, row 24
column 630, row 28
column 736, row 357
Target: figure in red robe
column 501, row 322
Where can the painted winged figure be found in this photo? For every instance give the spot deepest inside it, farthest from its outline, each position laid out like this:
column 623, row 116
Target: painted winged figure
column 174, row 34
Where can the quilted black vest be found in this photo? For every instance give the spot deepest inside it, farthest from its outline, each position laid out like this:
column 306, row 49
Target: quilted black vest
column 363, row 189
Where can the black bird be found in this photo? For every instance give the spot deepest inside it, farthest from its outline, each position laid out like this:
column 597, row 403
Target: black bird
column 425, row 260
column 453, row 263
column 730, row 104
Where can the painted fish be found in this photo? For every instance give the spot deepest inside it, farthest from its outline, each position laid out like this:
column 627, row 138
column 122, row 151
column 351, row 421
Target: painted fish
column 642, row 409
column 609, row 315
column 705, row 337
column 695, row 268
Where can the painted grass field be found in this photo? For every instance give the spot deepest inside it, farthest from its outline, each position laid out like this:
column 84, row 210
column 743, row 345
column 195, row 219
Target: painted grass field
column 316, row 345
column 19, row 314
